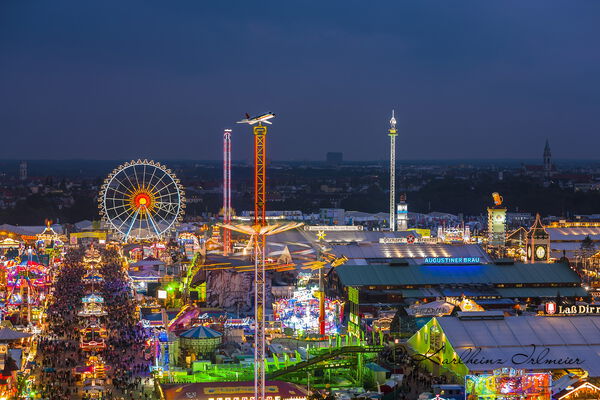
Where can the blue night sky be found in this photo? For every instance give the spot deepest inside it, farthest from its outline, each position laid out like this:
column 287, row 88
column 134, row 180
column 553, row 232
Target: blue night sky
column 117, row 79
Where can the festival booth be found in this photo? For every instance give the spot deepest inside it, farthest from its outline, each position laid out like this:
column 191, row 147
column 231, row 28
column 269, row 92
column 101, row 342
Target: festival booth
column 190, row 244
column 581, row 390
column 144, row 252
column 92, row 258
column 49, row 238
column 509, row 383
column 143, row 272
column 92, row 298
column 92, row 306
column 93, row 337
column 155, row 316
column 10, row 359
column 95, row 368
column 10, row 243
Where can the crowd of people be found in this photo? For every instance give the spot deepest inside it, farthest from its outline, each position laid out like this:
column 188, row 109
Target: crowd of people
column 60, row 357
column 127, row 338
column 58, row 350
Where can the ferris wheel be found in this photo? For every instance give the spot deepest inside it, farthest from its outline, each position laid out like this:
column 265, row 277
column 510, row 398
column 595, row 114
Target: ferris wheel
column 141, row 200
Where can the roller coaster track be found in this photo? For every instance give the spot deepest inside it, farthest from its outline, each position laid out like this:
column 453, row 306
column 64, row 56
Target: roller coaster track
column 320, row 360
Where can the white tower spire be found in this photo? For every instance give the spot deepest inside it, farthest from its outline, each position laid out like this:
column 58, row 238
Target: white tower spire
column 393, row 133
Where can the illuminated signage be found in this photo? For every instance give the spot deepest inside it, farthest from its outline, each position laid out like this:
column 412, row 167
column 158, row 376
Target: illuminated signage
column 343, row 228
column 551, row 308
column 497, row 226
column 451, row 260
column 408, row 239
column 238, row 390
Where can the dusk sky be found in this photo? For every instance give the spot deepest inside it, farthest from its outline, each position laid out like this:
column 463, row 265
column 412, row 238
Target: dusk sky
column 161, row 79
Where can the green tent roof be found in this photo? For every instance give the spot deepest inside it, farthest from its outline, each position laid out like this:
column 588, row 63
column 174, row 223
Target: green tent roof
column 386, row 275
column 542, row 292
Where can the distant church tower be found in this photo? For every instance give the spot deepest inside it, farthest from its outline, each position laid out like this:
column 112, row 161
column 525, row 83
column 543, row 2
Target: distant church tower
column 547, row 160
column 23, row 171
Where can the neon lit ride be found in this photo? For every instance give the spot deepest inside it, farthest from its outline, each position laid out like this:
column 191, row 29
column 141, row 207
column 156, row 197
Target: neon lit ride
column 301, row 312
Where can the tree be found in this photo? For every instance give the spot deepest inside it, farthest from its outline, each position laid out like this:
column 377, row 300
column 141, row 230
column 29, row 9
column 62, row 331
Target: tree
column 588, row 247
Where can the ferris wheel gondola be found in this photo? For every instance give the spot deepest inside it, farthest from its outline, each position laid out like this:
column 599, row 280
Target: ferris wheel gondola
column 142, row 200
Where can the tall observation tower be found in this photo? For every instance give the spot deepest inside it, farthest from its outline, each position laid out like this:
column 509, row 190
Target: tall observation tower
column 393, row 133
column 226, row 190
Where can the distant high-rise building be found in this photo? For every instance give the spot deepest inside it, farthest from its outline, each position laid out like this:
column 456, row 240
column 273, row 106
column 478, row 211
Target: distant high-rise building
column 23, row 171
column 402, row 214
column 547, row 160
column 334, row 158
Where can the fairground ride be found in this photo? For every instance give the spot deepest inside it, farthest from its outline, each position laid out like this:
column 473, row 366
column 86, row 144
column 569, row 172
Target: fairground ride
column 259, row 231
column 27, row 284
column 142, row 200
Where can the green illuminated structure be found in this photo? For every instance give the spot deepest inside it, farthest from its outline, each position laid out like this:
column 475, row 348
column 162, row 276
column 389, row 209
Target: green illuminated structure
column 434, row 350
column 354, row 320
column 340, row 364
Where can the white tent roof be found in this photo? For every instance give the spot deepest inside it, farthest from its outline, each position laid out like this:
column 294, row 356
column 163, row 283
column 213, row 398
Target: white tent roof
column 575, row 233
column 526, row 342
column 29, row 230
column 408, row 251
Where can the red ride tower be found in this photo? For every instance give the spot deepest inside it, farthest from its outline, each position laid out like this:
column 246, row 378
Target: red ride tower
column 226, row 190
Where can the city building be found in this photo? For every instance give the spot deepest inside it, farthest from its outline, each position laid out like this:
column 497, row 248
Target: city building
column 23, row 171
column 547, row 161
column 332, row 216
column 402, row 214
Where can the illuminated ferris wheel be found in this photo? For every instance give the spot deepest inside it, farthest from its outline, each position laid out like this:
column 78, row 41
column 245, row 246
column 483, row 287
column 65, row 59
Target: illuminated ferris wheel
column 141, row 200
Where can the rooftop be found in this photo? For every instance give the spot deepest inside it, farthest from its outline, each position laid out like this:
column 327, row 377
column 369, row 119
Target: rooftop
column 560, row 342
column 360, row 253
column 385, row 275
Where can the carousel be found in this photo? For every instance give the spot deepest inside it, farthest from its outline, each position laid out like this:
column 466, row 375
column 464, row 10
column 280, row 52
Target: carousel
column 27, row 285
column 301, row 312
